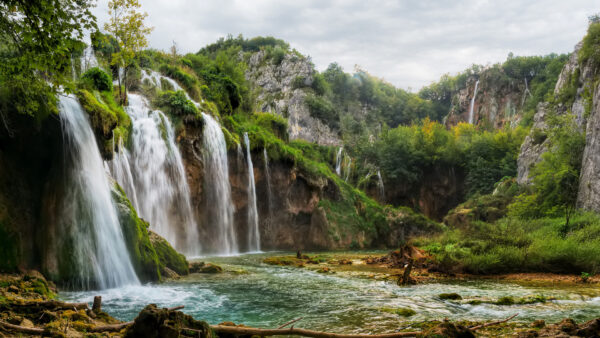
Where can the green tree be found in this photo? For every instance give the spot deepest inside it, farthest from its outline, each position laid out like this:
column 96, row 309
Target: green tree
column 36, row 41
column 126, row 24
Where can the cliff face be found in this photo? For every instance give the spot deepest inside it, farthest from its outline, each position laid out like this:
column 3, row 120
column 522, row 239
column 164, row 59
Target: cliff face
column 497, row 102
column 277, row 94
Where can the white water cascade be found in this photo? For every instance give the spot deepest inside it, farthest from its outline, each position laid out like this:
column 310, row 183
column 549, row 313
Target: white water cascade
column 155, row 78
column 348, row 169
column 121, row 170
column 218, row 189
column 161, row 188
column 88, row 59
column 473, row 102
column 253, row 233
column 89, row 216
column 338, row 161
column 268, row 179
column 380, row 186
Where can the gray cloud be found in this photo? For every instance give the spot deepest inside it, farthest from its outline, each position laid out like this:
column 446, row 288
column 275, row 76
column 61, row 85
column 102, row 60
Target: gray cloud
column 410, row 43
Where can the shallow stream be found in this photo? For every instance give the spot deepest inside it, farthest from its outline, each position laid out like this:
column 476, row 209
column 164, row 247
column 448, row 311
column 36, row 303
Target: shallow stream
column 260, row 295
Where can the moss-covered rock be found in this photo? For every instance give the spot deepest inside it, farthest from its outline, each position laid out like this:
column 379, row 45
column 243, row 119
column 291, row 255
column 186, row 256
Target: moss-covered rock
column 167, row 256
column 137, row 238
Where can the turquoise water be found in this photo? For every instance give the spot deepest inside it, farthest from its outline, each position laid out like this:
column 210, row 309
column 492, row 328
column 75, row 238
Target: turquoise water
column 261, row 295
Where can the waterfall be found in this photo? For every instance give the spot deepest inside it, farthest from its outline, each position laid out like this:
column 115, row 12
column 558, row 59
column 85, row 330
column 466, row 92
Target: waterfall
column 338, row 161
column 473, row 102
column 268, row 179
column 121, row 171
column 155, row 78
column 218, row 188
column 89, row 216
column 380, row 186
column 348, row 169
column 253, row 233
column 88, row 59
column 161, row 188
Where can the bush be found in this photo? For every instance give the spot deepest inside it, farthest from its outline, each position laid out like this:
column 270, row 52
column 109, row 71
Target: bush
column 323, row 110
column 176, row 103
column 96, row 78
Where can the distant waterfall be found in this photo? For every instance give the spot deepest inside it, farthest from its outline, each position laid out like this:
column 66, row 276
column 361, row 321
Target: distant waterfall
column 380, row 185
column 253, row 233
column 88, row 59
column 218, row 188
column 338, row 162
column 348, row 169
column 268, row 179
column 473, row 102
column 89, row 216
column 161, row 187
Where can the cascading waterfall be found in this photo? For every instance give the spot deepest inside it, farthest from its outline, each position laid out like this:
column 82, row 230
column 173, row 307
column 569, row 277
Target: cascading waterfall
column 268, row 179
column 161, row 187
column 380, row 185
column 253, row 233
column 338, row 162
column 473, row 102
column 89, row 216
column 155, row 79
column 218, row 188
column 88, row 59
column 121, row 171
column 348, row 169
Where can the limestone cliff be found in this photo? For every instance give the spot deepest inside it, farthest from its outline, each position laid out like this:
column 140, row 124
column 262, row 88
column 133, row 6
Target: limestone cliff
column 278, row 93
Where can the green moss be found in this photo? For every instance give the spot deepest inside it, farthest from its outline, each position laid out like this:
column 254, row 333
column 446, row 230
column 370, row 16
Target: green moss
column 450, row 296
column 167, row 256
column 176, row 103
column 404, row 312
column 141, row 251
column 505, row 301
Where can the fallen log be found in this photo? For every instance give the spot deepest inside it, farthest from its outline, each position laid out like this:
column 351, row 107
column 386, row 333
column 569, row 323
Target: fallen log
column 51, row 305
column 23, row 329
column 241, row 330
column 110, row 327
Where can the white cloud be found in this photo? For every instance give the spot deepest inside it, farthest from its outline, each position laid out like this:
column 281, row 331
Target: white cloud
column 410, row 43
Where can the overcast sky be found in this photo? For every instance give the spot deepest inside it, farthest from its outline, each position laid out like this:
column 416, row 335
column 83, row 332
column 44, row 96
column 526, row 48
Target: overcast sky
column 409, row 43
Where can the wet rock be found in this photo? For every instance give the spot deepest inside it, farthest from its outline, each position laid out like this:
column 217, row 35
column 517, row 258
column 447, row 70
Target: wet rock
column 153, row 322
column 324, row 270
column 196, row 267
column 211, row 268
column 448, row 329
column 540, row 323
column 589, row 329
column 170, row 274
column 528, row 334
column 450, row 296
column 567, row 325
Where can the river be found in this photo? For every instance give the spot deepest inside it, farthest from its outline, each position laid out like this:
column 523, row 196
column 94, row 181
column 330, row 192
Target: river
column 260, row 295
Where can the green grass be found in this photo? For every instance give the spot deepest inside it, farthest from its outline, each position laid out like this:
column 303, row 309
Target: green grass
column 515, row 245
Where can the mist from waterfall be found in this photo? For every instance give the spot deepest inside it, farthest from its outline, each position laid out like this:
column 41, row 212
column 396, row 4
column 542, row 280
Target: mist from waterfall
column 338, row 162
column 253, row 233
column 161, row 187
column 218, row 189
column 471, row 108
column 89, row 218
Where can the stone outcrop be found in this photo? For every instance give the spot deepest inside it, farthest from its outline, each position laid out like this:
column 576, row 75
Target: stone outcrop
column 497, row 103
column 534, row 145
column 277, row 94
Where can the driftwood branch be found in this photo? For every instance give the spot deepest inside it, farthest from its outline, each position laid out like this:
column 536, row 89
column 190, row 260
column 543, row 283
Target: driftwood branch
column 241, row 330
column 493, row 323
column 290, row 322
column 52, row 304
column 23, row 329
column 111, row 327
column 176, row 308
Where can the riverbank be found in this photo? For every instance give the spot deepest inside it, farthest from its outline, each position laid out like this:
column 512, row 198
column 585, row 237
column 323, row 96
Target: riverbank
column 352, row 297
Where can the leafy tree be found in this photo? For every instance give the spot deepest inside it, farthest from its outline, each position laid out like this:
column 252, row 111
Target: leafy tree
column 36, row 41
column 126, row 24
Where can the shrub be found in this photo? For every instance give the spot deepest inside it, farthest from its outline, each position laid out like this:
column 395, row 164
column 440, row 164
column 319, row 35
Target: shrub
column 96, row 78
column 176, row 103
column 323, row 110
